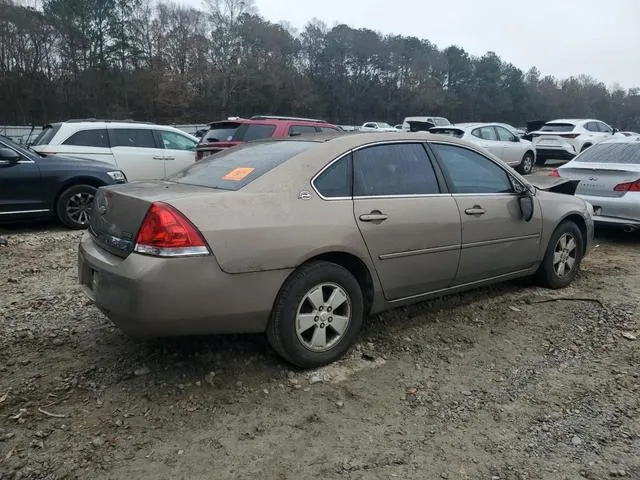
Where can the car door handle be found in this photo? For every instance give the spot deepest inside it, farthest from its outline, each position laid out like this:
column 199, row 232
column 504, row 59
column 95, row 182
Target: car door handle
column 159, row 158
column 169, row 158
column 476, row 210
column 375, row 216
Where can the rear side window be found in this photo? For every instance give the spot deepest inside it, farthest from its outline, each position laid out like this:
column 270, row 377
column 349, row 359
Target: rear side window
column 486, row 133
column 89, row 138
column 558, row 127
column 132, row 137
column 46, row 135
column 236, row 167
column 628, row 153
column 221, row 132
column 394, row 169
column 337, row 180
column 252, row 131
column 301, row 130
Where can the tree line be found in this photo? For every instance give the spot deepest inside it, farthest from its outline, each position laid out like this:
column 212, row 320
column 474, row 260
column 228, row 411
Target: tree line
column 165, row 62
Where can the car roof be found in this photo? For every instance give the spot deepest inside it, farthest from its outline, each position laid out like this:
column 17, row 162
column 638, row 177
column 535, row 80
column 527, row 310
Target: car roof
column 271, row 120
column 574, row 120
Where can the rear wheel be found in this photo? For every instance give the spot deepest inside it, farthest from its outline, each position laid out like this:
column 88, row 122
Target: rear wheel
column 526, row 165
column 562, row 258
column 317, row 315
column 74, row 206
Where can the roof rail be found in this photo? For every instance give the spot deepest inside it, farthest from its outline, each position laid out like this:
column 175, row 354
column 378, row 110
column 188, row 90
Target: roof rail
column 277, row 117
column 79, row 120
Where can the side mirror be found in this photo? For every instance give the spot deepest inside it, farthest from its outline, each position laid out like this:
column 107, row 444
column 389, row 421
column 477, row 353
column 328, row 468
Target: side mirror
column 615, row 130
column 8, row 155
column 516, row 139
column 526, row 206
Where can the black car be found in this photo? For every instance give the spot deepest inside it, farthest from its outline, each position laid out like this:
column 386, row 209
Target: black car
column 36, row 186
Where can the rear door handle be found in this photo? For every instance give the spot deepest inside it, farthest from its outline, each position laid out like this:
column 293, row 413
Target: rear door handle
column 476, row 210
column 169, row 158
column 159, row 158
column 373, row 217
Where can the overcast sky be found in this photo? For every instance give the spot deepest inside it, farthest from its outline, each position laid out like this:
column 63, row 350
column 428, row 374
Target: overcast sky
column 561, row 37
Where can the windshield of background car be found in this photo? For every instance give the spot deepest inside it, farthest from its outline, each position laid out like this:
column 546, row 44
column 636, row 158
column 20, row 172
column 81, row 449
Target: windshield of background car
column 46, row 135
column 220, row 132
column 253, row 131
column 558, row 127
column 628, row 153
column 239, row 166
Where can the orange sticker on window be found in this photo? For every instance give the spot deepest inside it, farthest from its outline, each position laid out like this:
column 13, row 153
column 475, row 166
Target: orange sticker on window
column 238, row 174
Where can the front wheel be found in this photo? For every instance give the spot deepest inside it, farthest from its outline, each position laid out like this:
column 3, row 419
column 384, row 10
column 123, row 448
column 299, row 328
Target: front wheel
column 317, row 315
column 74, row 206
column 526, row 165
column 562, row 258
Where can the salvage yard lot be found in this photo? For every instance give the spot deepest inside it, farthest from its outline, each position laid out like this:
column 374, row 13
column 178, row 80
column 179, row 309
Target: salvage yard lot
column 502, row 382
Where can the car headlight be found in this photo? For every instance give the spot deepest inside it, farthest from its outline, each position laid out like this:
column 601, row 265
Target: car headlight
column 117, row 176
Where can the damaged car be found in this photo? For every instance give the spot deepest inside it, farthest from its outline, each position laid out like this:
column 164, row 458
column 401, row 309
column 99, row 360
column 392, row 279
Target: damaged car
column 303, row 238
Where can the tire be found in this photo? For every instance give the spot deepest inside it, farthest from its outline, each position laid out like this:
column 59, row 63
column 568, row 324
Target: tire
column 73, row 207
column 319, row 280
column 584, row 147
column 550, row 272
column 526, row 165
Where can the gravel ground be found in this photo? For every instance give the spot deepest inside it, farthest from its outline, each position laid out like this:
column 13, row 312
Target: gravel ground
column 508, row 382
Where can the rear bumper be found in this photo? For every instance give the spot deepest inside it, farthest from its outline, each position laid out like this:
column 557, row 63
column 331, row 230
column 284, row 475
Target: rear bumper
column 149, row 296
column 554, row 154
column 623, row 211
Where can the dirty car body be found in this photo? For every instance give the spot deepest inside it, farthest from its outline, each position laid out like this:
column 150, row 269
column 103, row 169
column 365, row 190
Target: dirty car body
column 304, row 237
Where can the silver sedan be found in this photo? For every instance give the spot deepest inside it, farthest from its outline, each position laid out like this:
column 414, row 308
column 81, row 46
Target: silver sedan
column 609, row 175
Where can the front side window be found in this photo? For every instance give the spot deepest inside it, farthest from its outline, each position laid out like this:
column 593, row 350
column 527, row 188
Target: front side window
column 470, row 172
column 337, row 180
column 505, row 135
column 175, row 141
column 592, row 126
column 132, row 137
column 89, row 138
column 394, row 169
column 604, row 128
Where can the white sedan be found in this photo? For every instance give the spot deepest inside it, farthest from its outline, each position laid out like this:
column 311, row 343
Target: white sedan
column 495, row 138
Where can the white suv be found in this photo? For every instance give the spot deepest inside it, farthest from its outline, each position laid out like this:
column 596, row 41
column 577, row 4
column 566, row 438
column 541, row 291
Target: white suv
column 143, row 151
column 565, row 138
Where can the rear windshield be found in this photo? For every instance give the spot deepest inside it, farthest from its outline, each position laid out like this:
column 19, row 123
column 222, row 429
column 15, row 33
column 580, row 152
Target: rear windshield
column 628, row 153
column 221, row 132
column 452, row 132
column 237, row 167
column 558, row 127
column 253, row 131
column 441, row 121
column 46, row 135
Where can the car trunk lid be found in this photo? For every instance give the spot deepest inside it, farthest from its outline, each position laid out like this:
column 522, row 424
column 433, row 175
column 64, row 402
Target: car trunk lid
column 120, row 210
column 600, row 180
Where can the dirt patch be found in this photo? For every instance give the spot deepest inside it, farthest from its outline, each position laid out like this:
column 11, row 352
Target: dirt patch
column 488, row 384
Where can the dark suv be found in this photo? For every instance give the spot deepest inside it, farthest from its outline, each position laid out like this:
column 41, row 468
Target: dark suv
column 233, row 131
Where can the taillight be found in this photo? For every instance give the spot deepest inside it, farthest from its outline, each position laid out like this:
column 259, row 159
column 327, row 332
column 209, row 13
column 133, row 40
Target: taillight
column 628, row 187
column 554, row 173
column 165, row 232
column 569, row 135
